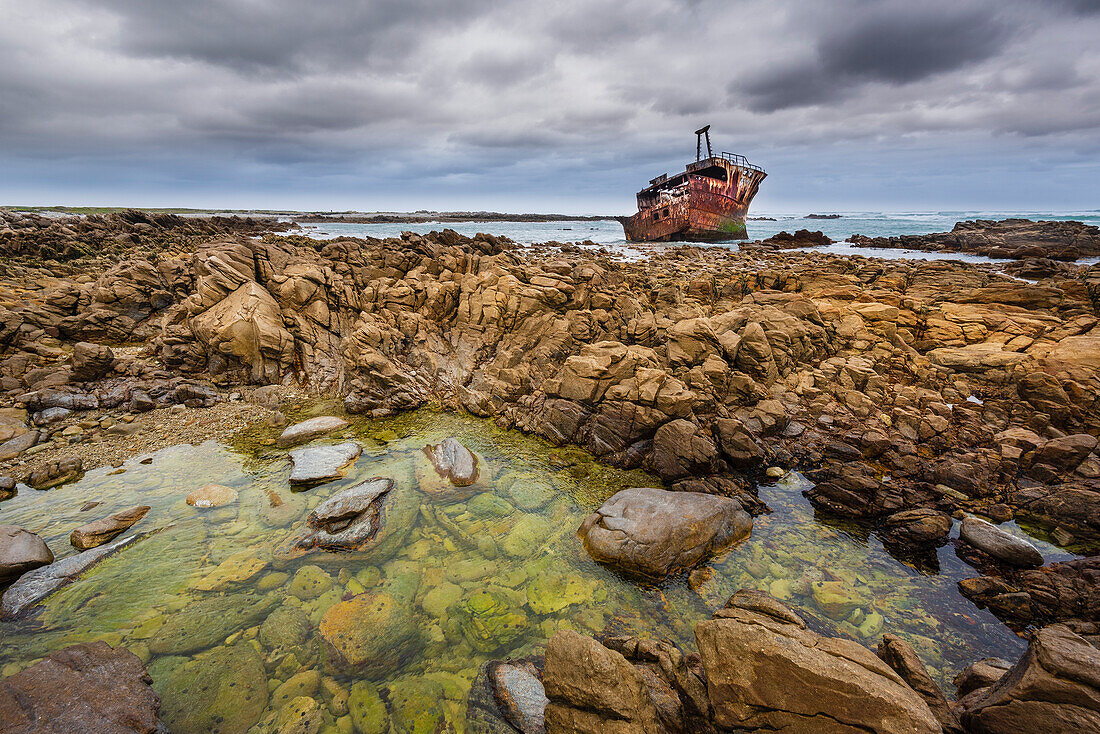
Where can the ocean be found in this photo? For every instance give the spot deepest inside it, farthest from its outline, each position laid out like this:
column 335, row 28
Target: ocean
column 609, row 233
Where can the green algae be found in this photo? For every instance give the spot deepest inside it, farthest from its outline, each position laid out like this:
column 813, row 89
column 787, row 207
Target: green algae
column 489, row 577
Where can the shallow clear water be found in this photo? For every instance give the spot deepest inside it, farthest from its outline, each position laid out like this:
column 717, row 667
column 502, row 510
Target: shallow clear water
column 609, row 233
column 490, row 577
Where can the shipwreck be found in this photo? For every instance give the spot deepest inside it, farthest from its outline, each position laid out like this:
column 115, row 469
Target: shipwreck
column 706, row 203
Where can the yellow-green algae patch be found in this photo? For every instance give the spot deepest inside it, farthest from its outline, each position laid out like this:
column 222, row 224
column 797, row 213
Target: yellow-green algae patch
column 398, row 633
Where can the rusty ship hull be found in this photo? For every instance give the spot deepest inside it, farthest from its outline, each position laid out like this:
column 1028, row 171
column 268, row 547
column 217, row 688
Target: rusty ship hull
column 708, row 202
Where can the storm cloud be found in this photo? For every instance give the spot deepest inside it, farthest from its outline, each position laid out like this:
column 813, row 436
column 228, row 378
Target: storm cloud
column 566, row 105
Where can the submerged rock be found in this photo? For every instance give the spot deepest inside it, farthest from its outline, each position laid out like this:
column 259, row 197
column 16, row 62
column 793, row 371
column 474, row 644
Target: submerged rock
column 368, row 712
column 764, row 672
column 652, row 532
column 34, row 586
column 212, row 495
column 416, row 705
column 1003, row 546
column 310, row 429
column 346, row 522
column 21, row 551
column 372, row 633
column 82, row 688
column 489, row 621
column 55, row 473
column 223, row 691
column 208, row 621
column 319, row 464
column 100, row 531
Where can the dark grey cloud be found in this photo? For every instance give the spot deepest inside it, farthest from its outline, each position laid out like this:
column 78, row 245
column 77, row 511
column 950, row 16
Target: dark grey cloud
column 571, row 95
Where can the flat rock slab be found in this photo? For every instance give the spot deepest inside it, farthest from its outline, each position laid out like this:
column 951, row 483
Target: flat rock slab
column 453, row 462
column 310, row 429
column 36, row 585
column 208, row 621
column 98, row 532
column 83, row 688
column 21, row 551
column 15, row 446
column 652, row 532
column 319, row 464
column 1000, row 544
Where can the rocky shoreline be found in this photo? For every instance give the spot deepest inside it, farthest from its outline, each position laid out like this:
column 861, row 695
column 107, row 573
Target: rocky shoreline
column 911, row 393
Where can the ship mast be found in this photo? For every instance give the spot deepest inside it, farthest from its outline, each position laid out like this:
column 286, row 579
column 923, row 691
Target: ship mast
column 705, row 130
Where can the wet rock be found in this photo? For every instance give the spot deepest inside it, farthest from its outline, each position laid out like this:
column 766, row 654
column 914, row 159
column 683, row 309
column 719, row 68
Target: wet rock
column 346, row 522
column 416, row 705
column 208, row 621
column 682, row 448
column 921, row 527
column 594, row 690
column 980, row 674
column 13, row 447
column 20, row 551
column 507, row 696
column 315, row 465
column 737, row 443
column 1066, row 453
column 212, row 495
column 236, row 569
column 223, row 691
column 100, row 531
column 652, row 532
column 55, row 473
column 836, row 599
column 367, row 710
column 372, row 633
column 552, row 591
column 82, row 688
column 454, row 462
column 999, row 544
column 899, row 655
column 34, row 586
column 302, row 715
column 489, row 621
column 91, row 361
column 286, row 627
column 310, row 582
column 7, row 488
column 751, row 658
column 1054, row 687
column 309, row 430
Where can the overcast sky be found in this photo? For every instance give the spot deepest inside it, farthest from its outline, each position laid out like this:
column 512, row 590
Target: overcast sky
column 553, row 105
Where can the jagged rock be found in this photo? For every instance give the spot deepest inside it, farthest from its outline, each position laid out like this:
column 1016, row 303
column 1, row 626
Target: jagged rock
column 309, row 430
column 1065, row 453
column 652, row 532
column 980, row 674
column 750, row 660
column 91, row 361
column 247, row 326
column 507, row 696
column 922, row 527
column 594, row 690
column 34, row 586
column 1054, row 687
column 899, row 655
column 100, row 531
column 315, row 465
column 1003, row 546
column 20, row 551
column 346, row 522
column 681, row 448
column 737, row 444
column 82, row 688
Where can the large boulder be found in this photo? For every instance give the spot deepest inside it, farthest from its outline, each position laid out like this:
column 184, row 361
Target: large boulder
column 82, row 688
column 652, row 532
column 1054, row 688
column 999, row 544
column 594, row 690
column 223, row 691
column 91, row 361
column 765, row 671
column 20, row 551
column 247, row 326
column 900, row 655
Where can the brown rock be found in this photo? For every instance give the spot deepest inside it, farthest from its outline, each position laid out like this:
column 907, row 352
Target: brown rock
column 82, row 688
column 899, row 655
column 20, row 551
column 212, row 495
column 55, row 473
column 101, row 531
column 682, row 448
column 91, row 361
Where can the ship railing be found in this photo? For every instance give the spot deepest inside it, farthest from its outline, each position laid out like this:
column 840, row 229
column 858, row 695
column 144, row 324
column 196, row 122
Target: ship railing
column 740, row 161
